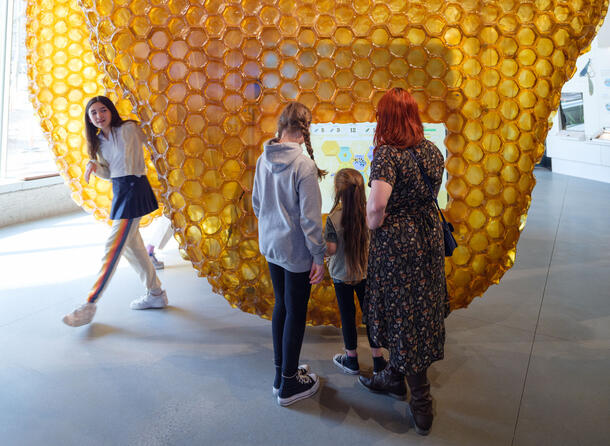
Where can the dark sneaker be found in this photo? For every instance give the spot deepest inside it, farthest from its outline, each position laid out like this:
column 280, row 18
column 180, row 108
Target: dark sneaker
column 387, row 382
column 349, row 364
column 297, row 387
column 302, row 370
column 379, row 363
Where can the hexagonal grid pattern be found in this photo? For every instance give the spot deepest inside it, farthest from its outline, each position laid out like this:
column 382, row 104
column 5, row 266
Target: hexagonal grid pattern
column 64, row 75
column 209, row 78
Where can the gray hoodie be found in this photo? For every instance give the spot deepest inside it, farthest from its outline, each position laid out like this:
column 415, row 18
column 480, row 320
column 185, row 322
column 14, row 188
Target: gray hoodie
column 287, row 202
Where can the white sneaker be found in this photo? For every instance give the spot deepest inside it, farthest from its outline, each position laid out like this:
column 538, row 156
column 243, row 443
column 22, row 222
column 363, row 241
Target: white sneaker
column 150, row 301
column 81, row 316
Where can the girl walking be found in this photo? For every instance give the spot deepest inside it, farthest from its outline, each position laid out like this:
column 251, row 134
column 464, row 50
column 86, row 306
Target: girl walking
column 347, row 244
column 287, row 202
column 115, row 149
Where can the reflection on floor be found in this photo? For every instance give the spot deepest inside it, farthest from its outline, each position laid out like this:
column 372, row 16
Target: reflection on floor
column 528, row 364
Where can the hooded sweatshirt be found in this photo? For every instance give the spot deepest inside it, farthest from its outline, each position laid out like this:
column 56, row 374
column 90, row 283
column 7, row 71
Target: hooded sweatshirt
column 287, row 202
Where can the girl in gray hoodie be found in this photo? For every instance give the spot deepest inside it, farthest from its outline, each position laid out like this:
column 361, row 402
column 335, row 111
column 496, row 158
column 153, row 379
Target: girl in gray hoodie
column 287, row 202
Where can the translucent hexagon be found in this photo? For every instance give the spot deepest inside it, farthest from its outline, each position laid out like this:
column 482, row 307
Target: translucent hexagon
column 209, row 79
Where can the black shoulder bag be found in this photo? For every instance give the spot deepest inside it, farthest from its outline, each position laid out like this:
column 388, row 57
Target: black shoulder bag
column 450, row 243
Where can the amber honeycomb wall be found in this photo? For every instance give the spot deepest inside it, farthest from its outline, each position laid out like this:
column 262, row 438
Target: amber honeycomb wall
column 208, row 80
column 64, row 75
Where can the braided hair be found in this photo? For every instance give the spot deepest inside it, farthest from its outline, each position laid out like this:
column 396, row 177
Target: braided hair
column 296, row 118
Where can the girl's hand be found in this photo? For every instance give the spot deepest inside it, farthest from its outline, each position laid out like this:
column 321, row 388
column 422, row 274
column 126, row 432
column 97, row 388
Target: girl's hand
column 316, row 274
column 91, row 167
column 331, row 249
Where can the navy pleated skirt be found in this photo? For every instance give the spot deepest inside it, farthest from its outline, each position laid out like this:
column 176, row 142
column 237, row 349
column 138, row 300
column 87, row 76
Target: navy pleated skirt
column 132, row 197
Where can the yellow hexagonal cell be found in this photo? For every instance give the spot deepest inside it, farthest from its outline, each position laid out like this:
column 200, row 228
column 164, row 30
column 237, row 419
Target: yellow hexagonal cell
column 64, row 74
column 490, row 71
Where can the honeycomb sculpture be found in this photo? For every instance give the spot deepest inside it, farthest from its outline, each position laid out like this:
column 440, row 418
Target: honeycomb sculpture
column 64, row 75
column 208, row 79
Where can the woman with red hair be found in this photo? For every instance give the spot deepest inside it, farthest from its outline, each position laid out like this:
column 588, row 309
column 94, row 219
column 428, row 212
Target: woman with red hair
column 406, row 292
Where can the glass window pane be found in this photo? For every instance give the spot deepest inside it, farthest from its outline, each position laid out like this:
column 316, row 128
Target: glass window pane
column 28, row 153
column 572, row 112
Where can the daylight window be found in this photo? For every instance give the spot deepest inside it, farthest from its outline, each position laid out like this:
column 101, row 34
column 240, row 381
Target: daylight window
column 571, row 112
column 24, row 152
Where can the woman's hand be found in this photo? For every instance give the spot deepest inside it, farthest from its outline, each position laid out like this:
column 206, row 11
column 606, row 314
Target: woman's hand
column 91, row 167
column 316, row 274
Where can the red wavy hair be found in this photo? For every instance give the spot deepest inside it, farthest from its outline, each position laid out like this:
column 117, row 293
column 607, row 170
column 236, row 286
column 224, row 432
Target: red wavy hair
column 398, row 121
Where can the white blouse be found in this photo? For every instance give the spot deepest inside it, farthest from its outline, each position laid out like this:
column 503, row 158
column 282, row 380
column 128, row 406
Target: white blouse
column 121, row 153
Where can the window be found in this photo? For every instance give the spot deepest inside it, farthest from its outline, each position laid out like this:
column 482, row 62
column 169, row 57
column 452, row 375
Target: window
column 24, row 151
column 571, row 112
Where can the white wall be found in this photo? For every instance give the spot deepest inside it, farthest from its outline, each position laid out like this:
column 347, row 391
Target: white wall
column 26, row 201
column 579, row 154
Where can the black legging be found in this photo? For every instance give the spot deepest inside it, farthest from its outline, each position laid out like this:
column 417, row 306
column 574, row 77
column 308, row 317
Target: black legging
column 289, row 315
column 347, row 308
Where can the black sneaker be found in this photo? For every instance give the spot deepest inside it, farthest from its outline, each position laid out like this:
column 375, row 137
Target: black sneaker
column 302, row 370
column 297, row 387
column 349, row 364
column 379, row 363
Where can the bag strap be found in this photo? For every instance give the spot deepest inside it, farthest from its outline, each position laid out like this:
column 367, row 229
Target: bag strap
column 428, row 183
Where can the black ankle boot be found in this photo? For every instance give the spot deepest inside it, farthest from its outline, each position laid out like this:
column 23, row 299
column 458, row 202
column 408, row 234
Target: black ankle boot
column 379, row 363
column 421, row 403
column 388, row 382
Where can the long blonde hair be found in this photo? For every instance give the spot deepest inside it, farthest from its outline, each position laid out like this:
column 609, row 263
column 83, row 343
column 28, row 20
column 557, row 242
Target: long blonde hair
column 349, row 192
column 296, row 117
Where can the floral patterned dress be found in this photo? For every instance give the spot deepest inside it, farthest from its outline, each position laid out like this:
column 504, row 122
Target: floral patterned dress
column 406, row 298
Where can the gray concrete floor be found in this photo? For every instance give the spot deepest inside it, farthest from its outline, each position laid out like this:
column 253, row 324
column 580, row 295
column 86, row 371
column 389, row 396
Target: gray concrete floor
column 527, row 364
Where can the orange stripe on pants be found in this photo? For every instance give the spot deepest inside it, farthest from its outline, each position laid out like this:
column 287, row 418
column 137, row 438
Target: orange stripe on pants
column 114, row 248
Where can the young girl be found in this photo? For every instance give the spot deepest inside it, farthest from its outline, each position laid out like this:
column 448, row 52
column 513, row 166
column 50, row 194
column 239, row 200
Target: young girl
column 347, row 242
column 115, row 149
column 287, row 202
